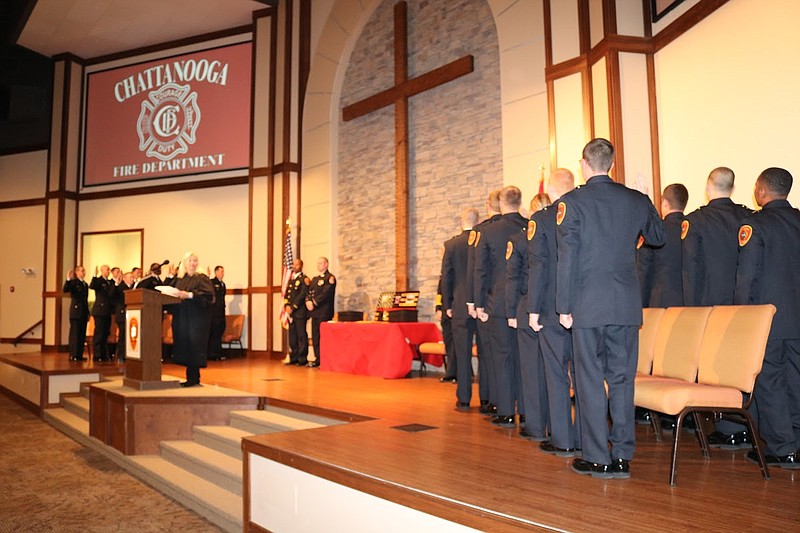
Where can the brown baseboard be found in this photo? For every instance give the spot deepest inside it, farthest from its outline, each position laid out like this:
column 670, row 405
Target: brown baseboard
column 9, row 340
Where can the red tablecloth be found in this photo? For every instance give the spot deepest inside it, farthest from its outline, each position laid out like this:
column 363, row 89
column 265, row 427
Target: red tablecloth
column 383, row 349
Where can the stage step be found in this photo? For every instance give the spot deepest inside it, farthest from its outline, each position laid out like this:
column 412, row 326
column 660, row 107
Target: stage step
column 260, row 422
column 72, row 425
column 220, row 506
column 216, row 467
column 77, row 405
column 225, row 439
column 317, row 419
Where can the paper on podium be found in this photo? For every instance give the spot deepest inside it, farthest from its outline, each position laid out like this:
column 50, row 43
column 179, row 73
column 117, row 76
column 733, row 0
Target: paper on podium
column 168, row 290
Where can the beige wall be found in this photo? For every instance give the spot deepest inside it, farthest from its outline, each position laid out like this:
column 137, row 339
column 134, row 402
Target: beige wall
column 734, row 104
column 22, row 243
column 22, row 177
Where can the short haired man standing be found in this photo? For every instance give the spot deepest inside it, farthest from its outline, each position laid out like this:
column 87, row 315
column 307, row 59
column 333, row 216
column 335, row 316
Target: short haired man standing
column 319, row 302
column 768, row 273
column 597, row 295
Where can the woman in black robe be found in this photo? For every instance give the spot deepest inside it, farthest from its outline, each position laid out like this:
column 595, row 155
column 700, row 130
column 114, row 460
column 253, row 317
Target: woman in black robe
column 191, row 319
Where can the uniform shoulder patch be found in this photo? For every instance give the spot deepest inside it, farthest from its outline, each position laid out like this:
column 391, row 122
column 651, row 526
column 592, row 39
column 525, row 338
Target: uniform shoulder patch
column 472, row 236
column 331, row 280
column 684, row 229
column 531, row 229
column 640, row 242
column 509, row 250
column 307, row 280
column 745, row 232
column 561, row 212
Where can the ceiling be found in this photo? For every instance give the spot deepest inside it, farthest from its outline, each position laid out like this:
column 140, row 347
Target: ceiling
column 93, row 28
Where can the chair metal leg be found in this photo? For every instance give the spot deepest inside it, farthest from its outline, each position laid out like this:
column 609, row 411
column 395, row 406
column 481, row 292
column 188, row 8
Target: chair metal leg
column 762, row 462
column 701, row 435
column 676, row 442
column 655, row 422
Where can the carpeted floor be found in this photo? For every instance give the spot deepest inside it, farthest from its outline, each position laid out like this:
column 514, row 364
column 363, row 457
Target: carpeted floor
column 48, row 482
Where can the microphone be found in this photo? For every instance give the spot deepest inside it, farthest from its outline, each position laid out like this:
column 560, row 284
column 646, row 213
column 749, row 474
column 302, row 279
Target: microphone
column 166, row 262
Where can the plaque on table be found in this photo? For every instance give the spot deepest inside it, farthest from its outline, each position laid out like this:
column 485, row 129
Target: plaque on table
column 397, row 306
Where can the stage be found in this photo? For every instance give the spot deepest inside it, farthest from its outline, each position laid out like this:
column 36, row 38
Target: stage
column 467, row 471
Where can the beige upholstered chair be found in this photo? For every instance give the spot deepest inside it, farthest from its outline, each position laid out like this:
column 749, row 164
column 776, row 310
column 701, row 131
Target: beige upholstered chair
column 651, row 316
column 731, row 354
column 676, row 351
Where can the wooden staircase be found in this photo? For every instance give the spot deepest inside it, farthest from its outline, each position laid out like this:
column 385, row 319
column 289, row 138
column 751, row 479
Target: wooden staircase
column 205, row 473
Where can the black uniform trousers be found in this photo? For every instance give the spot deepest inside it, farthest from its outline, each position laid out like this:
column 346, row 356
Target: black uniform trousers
column 450, row 354
column 555, row 343
column 463, row 330
column 505, row 358
column 487, row 380
column 121, row 336
column 315, row 323
column 610, row 353
column 776, row 399
column 77, row 337
column 216, row 331
column 532, row 386
column 102, row 328
column 298, row 341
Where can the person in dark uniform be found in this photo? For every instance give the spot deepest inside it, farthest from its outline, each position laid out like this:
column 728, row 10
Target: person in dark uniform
column 598, row 297
column 447, row 337
column 555, row 342
column 153, row 278
column 768, row 272
column 295, row 306
column 660, row 267
column 660, row 275
column 319, row 302
column 122, row 283
column 191, row 319
column 530, row 376
column 487, row 387
column 710, row 251
column 490, row 295
column 455, row 283
column 78, row 311
column 217, row 315
column 101, row 311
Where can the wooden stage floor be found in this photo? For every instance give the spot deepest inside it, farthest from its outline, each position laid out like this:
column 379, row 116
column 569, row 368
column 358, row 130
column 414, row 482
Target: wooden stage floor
column 494, row 473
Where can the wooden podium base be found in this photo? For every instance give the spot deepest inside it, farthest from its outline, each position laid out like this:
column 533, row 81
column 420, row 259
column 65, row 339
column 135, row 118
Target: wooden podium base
column 150, row 385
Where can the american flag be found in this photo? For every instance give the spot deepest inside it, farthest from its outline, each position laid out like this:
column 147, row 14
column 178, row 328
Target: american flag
column 288, row 258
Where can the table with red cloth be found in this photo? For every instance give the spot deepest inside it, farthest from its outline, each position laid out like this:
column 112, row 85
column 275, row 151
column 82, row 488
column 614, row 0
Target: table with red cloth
column 383, row 349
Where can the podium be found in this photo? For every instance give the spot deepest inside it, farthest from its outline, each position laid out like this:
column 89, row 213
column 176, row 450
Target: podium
column 143, row 319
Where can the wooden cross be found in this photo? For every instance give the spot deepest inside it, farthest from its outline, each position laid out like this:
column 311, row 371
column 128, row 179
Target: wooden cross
column 398, row 95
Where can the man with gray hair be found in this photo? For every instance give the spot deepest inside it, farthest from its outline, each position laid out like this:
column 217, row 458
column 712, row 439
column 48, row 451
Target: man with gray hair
column 454, row 304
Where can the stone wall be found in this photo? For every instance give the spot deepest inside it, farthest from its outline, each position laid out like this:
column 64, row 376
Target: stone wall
column 455, row 147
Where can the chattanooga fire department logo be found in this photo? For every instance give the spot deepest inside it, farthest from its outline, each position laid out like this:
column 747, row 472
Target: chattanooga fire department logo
column 168, row 121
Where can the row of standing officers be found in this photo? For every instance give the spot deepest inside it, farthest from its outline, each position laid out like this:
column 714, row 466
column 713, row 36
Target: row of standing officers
column 561, row 294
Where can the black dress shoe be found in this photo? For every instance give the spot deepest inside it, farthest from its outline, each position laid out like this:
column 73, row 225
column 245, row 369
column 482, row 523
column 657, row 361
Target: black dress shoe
column 737, row 441
column 313, row 364
column 790, row 462
column 620, row 469
column 642, row 416
column 579, row 466
column 521, row 420
column 190, row 383
column 462, row 406
column 447, row 380
column 488, row 409
column 525, row 434
column 547, row 447
column 503, row 421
